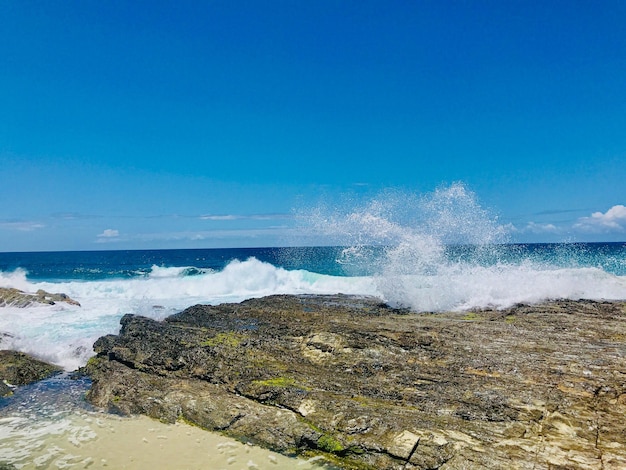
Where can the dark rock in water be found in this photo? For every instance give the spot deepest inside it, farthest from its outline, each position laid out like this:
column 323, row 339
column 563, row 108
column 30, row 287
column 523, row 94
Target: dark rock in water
column 368, row 386
column 18, row 368
column 7, row 466
column 11, row 297
column 4, row 335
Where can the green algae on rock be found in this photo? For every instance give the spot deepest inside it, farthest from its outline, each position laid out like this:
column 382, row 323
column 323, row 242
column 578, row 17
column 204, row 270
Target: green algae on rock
column 17, row 368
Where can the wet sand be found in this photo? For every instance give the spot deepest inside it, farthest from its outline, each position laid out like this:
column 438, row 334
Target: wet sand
column 98, row 440
column 49, row 425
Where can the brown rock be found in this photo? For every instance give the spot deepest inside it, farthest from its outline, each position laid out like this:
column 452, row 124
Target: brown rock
column 372, row 387
column 11, row 297
column 18, row 368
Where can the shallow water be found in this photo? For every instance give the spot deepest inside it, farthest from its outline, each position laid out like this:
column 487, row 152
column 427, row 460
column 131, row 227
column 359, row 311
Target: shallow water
column 49, row 425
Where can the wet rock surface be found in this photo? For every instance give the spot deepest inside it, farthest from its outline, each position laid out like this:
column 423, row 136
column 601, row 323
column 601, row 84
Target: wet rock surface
column 369, row 386
column 11, row 297
column 17, row 369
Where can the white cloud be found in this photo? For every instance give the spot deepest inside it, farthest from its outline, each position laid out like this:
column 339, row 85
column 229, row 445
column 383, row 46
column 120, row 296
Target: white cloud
column 22, row 226
column 216, row 234
column 109, row 233
column 245, row 217
column 73, row 216
column 540, row 228
column 219, row 217
column 613, row 220
column 532, row 227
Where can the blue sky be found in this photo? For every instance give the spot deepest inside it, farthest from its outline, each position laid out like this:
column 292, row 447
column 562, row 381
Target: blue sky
column 152, row 124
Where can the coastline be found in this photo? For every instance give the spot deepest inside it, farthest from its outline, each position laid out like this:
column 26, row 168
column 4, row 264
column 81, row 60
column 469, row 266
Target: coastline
column 341, row 379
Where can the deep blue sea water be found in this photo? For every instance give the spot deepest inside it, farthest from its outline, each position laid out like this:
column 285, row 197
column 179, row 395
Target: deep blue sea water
column 126, row 264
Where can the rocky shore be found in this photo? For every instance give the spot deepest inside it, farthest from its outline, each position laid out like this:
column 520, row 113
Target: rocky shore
column 371, row 387
column 11, row 297
column 17, row 368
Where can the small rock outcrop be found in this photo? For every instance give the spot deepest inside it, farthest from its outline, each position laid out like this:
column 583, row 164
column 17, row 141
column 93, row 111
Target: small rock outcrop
column 371, row 387
column 11, row 297
column 17, row 368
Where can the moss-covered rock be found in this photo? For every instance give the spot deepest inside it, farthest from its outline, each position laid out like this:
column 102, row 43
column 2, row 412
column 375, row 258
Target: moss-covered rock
column 18, row 368
column 5, row 389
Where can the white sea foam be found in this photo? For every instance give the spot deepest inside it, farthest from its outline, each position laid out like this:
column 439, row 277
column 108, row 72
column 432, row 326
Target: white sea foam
column 15, row 279
column 172, row 272
column 461, row 287
column 414, row 269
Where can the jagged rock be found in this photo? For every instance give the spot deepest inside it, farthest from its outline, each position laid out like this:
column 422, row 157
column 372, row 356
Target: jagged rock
column 11, row 297
column 368, row 386
column 18, row 368
column 4, row 335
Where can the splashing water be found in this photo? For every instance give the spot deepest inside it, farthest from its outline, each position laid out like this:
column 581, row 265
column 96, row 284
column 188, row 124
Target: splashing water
column 443, row 251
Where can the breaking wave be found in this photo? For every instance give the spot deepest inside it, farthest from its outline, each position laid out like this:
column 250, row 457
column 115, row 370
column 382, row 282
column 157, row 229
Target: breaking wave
column 64, row 334
column 443, row 251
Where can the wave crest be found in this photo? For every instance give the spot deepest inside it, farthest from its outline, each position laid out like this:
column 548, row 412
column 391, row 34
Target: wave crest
column 15, row 279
